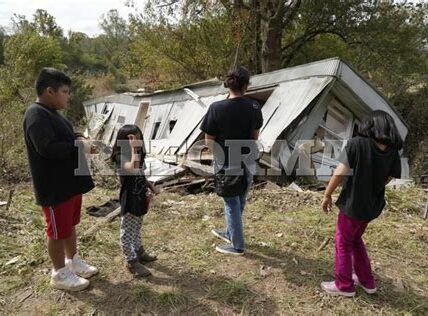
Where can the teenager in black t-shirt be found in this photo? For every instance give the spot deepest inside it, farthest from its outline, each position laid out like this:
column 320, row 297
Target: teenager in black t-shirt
column 233, row 124
column 366, row 165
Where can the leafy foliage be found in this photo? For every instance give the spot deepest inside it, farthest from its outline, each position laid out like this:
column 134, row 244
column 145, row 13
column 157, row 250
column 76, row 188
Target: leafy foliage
column 171, row 43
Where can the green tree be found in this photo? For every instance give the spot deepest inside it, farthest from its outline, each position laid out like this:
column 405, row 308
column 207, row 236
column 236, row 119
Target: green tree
column 2, row 40
column 25, row 54
column 190, row 51
column 45, row 24
column 262, row 22
column 80, row 92
column 33, row 45
column 116, row 42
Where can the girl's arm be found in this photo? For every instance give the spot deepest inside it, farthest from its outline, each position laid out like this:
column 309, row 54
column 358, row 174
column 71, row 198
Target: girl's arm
column 129, row 166
column 340, row 171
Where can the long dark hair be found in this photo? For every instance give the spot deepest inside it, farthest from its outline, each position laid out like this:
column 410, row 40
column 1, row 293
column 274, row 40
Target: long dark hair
column 380, row 126
column 121, row 144
column 237, row 79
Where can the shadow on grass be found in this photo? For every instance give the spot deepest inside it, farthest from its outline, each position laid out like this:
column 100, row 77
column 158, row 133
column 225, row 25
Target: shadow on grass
column 309, row 273
column 187, row 292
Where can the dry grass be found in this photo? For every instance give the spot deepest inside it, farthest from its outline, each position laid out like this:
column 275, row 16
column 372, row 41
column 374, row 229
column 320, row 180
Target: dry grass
column 280, row 273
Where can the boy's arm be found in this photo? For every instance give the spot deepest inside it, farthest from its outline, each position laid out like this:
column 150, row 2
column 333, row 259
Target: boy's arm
column 46, row 144
column 335, row 180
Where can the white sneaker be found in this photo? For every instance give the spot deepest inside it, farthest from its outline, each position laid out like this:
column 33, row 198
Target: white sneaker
column 366, row 289
column 331, row 288
column 65, row 279
column 80, row 267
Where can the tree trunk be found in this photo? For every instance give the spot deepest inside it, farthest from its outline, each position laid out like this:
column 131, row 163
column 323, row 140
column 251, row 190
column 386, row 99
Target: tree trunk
column 270, row 34
column 276, row 15
column 271, row 17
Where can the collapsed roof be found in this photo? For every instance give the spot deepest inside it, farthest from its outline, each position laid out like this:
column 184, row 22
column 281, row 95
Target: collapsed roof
column 296, row 101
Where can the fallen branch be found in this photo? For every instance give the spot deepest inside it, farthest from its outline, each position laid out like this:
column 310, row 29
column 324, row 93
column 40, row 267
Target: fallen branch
column 174, row 182
column 9, row 200
column 258, row 184
column 108, row 219
column 185, row 185
column 324, row 243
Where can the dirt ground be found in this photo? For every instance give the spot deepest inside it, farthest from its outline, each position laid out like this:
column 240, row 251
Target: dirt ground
column 290, row 251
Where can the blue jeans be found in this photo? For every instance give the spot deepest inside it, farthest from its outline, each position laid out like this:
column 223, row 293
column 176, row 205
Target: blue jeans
column 233, row 209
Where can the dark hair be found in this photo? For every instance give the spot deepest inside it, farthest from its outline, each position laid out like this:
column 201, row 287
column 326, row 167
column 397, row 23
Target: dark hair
column 122, row 135
column 237, row 79
column 380, row 126
column 51, row 77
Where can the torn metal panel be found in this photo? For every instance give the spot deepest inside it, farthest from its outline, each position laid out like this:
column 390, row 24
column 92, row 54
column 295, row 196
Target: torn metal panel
column 287, row 105
column 326, row 67
column 191, row 137
column 158, row 171
column 189, row 117
column 97, row 123
column 369, row 95
column 155, row 121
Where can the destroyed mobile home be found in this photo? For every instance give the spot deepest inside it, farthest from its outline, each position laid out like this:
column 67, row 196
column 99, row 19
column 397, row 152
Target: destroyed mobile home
column 311, row 109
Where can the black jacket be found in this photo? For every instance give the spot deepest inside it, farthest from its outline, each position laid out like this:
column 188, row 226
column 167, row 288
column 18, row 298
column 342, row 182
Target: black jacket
column 59, row 169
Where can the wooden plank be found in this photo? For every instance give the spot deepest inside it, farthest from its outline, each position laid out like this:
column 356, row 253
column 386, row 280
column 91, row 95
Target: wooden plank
column 199, row 181
column 202, row 170
column 108, row 219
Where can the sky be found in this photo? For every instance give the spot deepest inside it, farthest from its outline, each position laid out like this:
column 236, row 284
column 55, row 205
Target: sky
column 76, row 15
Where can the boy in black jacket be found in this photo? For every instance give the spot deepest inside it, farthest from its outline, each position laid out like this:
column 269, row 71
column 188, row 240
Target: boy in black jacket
column 54, row 159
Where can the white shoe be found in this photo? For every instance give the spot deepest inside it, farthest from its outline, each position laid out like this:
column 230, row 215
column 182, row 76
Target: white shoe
column 80, row 267
column 366, row 289
column 65, row 279
column 331, row 288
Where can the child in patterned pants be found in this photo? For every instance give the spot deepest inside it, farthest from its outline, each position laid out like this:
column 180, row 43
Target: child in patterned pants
column 128, row 154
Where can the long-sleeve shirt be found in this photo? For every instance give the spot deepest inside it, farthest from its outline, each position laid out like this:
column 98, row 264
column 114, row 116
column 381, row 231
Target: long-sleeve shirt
column 58, row 168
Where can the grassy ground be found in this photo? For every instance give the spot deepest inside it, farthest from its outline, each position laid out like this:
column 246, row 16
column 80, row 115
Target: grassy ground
column 279, row 274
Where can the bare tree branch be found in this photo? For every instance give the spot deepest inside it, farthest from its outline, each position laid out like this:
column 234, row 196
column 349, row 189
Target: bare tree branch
column 168, row 4
column 290, row 12
column 303, row 40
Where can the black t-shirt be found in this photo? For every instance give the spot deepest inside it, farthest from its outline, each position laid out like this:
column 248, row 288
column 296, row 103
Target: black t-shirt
column 232, row 119
column 134, row 187
column 53, row 156
column 363, row 192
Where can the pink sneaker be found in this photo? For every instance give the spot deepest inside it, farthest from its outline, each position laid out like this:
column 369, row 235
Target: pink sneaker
column 330, row 288
column 357, row 283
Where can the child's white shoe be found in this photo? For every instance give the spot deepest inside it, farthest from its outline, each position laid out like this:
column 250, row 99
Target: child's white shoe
column 357, row 283
column 65, row 279
column 331, row 288
column 80, row 267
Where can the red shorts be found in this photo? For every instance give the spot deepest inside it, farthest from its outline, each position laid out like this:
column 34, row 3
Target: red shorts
column 61, row 218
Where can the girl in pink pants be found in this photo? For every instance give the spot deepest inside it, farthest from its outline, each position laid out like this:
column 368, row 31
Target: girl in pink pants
column 368, row 162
